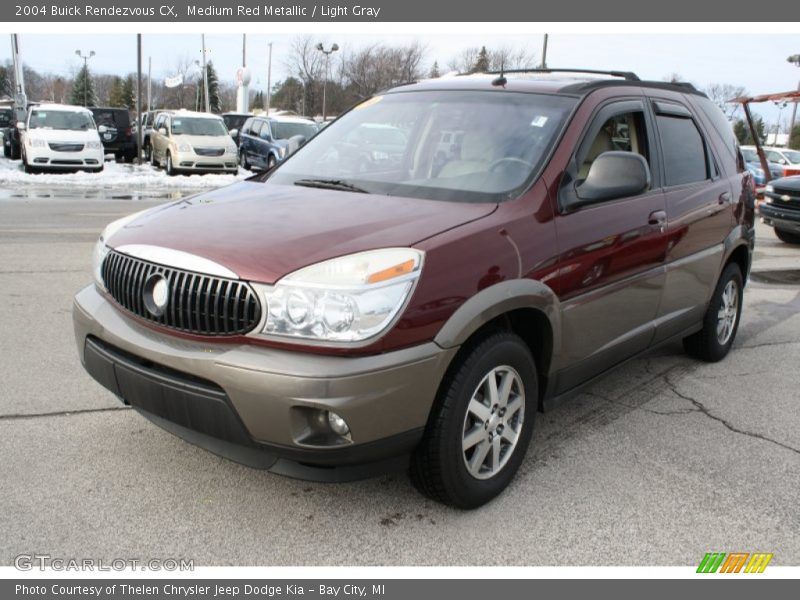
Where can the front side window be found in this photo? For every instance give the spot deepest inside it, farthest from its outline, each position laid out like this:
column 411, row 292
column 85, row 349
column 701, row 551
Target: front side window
column 684, row 151
column 60, row 119
column 624, row 132
column 197, row 126
column 395, row 144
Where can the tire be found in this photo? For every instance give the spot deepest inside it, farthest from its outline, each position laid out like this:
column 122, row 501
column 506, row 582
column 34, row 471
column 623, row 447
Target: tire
column 271, row 162
column 243, row 160
column 6, row 151
column 788, row 237
column 439, row 466
column 119, row 157
column 153, row 161
column 28, row 168
column 169, row 168
column 721, row 321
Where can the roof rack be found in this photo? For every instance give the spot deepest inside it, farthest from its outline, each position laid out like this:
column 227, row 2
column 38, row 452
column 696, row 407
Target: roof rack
column 627, row 75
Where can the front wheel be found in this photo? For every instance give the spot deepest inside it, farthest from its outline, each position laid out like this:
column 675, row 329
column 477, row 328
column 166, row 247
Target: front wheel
column 481, row 426
column 170, row 169
column 787, row 236
column 243, row 160
column 271, row 162
column 721, row 322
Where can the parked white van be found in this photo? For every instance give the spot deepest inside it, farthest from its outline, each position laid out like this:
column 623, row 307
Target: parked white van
column 59, row 137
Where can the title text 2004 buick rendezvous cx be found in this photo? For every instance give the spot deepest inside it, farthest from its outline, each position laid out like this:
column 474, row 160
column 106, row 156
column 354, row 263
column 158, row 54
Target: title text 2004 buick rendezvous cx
column 430, row 270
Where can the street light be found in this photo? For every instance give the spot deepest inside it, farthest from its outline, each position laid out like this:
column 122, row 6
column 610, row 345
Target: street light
column 327, row 54
column 795, row 60
column 781, row 105
column 85, row 58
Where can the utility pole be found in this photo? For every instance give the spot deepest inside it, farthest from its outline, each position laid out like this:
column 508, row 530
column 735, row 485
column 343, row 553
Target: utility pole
column 205, row 72
column 544, row 52
column 269, row 81
column 85, row 58
column 795, row 60
column 149, row 83
column 327, row 54
column 139, row 97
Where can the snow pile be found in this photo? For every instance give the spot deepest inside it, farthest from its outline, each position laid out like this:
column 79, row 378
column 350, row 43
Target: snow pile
column 115, row 176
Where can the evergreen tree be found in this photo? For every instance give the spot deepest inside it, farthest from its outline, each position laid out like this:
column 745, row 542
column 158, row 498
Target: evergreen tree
column 6, row 86
column 214, row 101
column 129, row 92
column 482, row 62
column 742, row 131
column 116, row 96
column 794, row 139
column 434, row 72
column 83, row 89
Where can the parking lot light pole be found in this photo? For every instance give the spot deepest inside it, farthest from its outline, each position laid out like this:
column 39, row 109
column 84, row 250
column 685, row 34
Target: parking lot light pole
column 327, row 54
column 85, row 58
column 795, row 60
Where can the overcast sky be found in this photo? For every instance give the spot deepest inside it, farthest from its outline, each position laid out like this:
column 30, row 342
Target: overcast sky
column 757, row 62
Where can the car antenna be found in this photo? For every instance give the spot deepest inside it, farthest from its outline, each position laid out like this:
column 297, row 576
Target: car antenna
column 500, row 81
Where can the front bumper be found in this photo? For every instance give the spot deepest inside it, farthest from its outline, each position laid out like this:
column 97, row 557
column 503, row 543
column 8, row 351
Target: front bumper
column 46, row 158
column 256, row 405
column 783, row 218
column 190, row 161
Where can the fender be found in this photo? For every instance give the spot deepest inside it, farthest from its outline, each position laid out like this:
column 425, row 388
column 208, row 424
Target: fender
column 499, row 299
column 739, row 236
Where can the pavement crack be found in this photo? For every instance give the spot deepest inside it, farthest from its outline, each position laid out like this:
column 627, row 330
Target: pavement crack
column 700, row 407
column 61, row 413
column 766, row 344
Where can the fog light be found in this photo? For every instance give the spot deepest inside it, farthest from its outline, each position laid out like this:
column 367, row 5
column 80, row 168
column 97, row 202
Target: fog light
column 338, row 424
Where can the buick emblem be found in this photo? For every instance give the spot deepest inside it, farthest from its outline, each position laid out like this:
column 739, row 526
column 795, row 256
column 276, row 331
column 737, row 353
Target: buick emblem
column 156, row 294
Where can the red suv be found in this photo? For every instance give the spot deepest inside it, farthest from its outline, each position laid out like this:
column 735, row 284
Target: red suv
column 415, row 295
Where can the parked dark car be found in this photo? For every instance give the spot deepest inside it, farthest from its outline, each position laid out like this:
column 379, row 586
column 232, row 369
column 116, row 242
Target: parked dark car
column 266, row 141
column 118, row 138
column 234, row 122
column 6, row 124
column 334, row 318
column 781, row 208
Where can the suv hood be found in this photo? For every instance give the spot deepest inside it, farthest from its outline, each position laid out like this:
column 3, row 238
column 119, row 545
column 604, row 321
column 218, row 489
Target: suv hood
column 264, row 231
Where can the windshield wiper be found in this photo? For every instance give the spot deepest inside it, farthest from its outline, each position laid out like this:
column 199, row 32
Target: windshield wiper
column 331, row 184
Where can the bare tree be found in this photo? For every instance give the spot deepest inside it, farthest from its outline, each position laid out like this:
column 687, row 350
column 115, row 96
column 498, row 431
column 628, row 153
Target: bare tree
column 721, row 94
column 184, row 94
column 505, row 57
column 377, row 67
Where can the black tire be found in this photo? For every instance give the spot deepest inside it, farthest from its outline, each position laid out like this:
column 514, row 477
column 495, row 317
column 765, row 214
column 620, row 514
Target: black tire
column 438, row 466
column 169, row 168
column 706, row 344
column 28, row 168
column 271, row 162
column 243, row 160
column 153, row 161
column 6, row 151
column 788, row 237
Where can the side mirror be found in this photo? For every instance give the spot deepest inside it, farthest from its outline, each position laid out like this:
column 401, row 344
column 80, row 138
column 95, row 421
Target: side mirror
column 234, row 133
column 20, row 126
column 102, row 129
column 613, row 175
column 162, row 130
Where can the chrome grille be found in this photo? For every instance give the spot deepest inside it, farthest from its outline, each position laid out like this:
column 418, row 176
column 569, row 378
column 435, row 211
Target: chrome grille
column 65, row 147
column 197, row 303
column 209, row 151
column 777, row 197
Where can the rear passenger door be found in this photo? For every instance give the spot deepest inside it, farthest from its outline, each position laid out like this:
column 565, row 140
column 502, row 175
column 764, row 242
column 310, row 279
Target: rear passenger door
column 611, row 254
column 700, row 205
column 244, row 139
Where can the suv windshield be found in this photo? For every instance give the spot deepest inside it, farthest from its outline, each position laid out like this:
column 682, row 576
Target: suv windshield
column 197, row 126
column 283, row 131
column 467, row 146
column 60, row 119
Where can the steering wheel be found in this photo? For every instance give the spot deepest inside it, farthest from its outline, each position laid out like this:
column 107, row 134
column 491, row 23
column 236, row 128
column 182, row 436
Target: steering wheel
column 511, row 159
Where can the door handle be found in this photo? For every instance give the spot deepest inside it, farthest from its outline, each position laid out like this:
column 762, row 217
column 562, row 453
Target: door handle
column 657, row 218
column 724, row 198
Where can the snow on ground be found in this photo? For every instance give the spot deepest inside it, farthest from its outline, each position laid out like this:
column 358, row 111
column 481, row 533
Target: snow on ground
column 116, row 176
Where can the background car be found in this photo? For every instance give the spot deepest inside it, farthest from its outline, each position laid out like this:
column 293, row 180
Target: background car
column 118, row 138
column 788, row 159
column 781, row 208
column 753, row 164
column 58, row 137
column 6, row 118
column 265, row 141
column 234, row 122
column 186, row 141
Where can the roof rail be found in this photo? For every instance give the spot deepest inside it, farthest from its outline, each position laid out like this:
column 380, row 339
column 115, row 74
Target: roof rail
column 627, row 75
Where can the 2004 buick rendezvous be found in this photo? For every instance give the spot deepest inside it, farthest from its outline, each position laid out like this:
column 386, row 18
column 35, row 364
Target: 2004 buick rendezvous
column 415, row 295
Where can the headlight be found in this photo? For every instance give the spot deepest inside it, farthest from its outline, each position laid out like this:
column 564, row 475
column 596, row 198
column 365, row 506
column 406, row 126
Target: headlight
column 101, row 250
column 282, row 151
column 769, row 188
column 36, row 143
column 346, row 299
column 184, row 148
column 94, row 145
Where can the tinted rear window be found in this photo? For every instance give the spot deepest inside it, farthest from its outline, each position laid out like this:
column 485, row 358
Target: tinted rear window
column 112, row 118
column 5, row 117
column 683, row 149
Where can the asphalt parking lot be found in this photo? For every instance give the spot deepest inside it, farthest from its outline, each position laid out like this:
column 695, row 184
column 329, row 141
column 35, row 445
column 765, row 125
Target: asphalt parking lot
column 660, row 462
